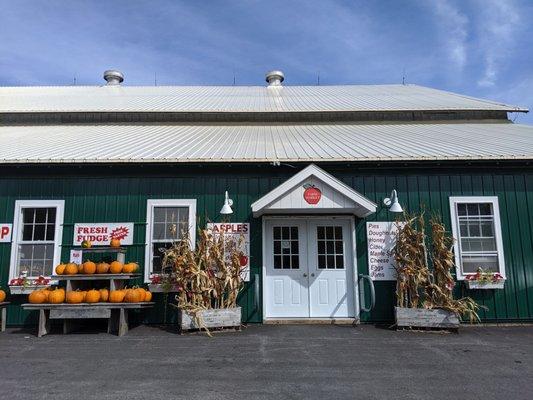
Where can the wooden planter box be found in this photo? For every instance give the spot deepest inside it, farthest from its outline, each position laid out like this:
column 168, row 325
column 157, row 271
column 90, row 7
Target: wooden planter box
column 25, row 289
column 216, row 318
column 158, row 288
column 485, row 285
column 424, row 318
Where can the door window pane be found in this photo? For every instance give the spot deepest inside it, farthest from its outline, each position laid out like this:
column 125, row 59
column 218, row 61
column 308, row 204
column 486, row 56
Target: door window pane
column 330, row 247
column 286, row 247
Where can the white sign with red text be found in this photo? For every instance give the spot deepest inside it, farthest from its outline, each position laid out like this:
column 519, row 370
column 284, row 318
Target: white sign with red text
column 76, row 256
column 381, row 238
column 5, row 233
column 100, row 234
column 239, row 233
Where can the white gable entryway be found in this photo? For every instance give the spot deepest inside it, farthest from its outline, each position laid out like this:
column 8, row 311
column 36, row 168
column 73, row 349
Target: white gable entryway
column 310, row 269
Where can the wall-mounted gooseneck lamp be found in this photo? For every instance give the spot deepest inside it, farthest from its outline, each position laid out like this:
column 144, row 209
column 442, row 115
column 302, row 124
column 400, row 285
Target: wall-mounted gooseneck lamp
column 392, row 203
column 226, row 208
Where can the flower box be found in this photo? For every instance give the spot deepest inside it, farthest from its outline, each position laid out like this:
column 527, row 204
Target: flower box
column 160, row 288
column 15, row 289
column 426, row 318
column 213, row 318
column 472, row 284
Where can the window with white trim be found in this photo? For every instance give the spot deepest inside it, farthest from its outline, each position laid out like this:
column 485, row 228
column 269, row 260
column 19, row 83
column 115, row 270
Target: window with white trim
column 37, row 235
column 478, row 236
column 167, row 221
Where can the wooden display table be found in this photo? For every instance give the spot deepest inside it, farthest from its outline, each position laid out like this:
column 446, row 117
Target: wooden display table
column 116, row 281
column 3, row 315
column 116, row 313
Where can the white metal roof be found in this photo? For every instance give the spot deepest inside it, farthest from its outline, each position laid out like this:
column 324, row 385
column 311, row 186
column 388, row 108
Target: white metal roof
column 265, row 142
column 238, row 99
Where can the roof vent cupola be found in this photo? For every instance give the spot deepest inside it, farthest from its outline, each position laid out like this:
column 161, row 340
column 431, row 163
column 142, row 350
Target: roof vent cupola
column 113, row 77
column 274, row 78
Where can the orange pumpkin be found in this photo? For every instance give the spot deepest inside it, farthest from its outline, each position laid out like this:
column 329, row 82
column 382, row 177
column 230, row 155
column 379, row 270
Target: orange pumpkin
column 60, row 269
column 114, row 243
column 142, row 293
column 147, row 296
column 71, row 269
column 80, row 269
column 104, row 295
column 37, row 297
column 132, row 296
column 102, row 268
column 56, row 296
column 116, row 267
column 116, row 296
column 89, row 267
column 129, row 268
column 2, row 295
column 92, row 296
column 46, row 293
column 75, row 297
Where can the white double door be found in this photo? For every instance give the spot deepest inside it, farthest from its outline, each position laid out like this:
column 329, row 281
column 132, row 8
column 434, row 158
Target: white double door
column 309, row 268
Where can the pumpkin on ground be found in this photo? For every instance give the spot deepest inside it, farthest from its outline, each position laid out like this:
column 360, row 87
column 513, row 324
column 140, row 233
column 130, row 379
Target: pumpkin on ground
column 60, row 269
column 2, row 295
column 102, row 268
column 89, row 267
column 104, row 295
column 116, row 296
column 132, row 296
column 92, row 296
column 116, row 267
column 148, row 296
column 74, row 297
column 56, row 296
column 114, row 243
column 71, row 269
column 37, row 297
column 129, row 268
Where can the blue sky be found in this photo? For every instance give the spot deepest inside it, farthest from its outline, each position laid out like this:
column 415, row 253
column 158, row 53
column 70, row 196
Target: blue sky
column 477, row 47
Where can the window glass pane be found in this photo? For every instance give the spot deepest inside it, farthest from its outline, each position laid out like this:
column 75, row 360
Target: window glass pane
column 277, row 232
column 39, row 232
column 473, row 228
column 485, row 209
column 277, row 262
column 285, row 247
column 27, row 215
column 295, row 262
column 461, row 209
column 277, row 247
column 321, row 262
column 472, row 209
column 285, row 232
column 36, row 259
column 463, row 228
column 338, row 232
column 487, row 228
column 159, row 214
column 294, row 232
column 330, row 247
column 158, row 230
column 338, row 247
column 330, row 261
column 51, row 216
column 158, row 252
column 40, row 215
column 339, row 262
column 286, row 262
column 321, row 247
column 294, row 246
column 472, row 263
column 329, row 232
column 27, row 232
column 50, row 232
column 321, row 232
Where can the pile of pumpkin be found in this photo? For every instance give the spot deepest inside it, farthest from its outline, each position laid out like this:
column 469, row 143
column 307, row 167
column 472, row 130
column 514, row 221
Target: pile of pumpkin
column 89, row 268
column 59, row 295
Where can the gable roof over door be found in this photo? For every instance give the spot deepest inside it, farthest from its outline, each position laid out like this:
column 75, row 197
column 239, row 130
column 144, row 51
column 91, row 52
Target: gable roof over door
column 336, row 197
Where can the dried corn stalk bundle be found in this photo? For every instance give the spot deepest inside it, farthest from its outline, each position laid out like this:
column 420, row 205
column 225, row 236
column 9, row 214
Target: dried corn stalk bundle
column 438, row 293
column 208, row 276
column 411, row 261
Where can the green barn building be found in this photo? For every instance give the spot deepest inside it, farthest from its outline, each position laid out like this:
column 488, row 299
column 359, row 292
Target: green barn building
column 307, row 167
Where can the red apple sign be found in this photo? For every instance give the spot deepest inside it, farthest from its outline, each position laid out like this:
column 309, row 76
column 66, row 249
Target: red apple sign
column 312, row 194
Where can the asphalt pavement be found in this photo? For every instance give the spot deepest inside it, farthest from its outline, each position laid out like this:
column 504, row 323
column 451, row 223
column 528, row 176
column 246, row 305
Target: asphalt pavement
column 270, row 362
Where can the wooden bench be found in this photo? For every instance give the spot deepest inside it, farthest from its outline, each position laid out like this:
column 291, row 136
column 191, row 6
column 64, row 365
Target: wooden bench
column 115, row 313
column 3, row 315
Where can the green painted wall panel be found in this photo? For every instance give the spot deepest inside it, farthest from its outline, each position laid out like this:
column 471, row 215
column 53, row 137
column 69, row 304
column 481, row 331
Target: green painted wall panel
column 119, row 194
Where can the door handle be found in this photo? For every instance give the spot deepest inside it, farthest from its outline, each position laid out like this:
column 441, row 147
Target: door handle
column 305, row 275
column 312, row 274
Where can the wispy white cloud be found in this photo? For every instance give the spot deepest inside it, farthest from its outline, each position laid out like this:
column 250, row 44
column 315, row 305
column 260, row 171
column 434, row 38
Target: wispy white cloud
column 453, row 26
column 499, row 22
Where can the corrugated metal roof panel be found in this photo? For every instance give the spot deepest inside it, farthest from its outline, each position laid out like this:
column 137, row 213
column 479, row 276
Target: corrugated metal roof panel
column 260, row 143
column 238, row 99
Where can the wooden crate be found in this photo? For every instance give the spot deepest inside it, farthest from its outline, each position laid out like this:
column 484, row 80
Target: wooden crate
column 424, row 318
column 216, row 318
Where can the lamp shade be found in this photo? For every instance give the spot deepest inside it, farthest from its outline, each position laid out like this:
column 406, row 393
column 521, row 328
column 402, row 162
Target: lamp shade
column 226, row 208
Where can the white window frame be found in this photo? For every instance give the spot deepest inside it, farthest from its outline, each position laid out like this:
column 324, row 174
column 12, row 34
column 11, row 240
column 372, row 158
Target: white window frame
column 454, row 201
column 17, row 230
column 150, row 205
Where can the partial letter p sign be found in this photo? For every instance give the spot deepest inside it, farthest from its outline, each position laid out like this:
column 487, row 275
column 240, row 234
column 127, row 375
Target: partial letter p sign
column 5, row 233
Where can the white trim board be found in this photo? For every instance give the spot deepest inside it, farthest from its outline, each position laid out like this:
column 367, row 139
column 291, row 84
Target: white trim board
column 342, row 197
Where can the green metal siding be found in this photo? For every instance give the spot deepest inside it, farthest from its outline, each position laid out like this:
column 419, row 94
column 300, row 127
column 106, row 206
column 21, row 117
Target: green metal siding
column 119, row 194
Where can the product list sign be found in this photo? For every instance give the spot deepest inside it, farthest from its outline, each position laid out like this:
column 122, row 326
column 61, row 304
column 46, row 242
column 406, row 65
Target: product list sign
column 100, row 234
column 237, row 235
column 381, row 241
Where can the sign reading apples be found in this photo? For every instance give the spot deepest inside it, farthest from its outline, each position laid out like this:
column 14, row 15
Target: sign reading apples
column 312, row 194
column 238, row 233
